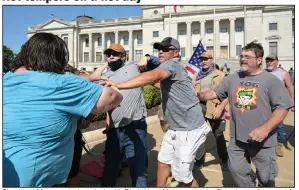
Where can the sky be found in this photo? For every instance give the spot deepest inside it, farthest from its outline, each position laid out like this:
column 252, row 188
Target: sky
column 16, row 19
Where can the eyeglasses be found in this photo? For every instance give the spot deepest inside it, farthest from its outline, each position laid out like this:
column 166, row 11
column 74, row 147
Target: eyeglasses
column 246, row 57
column 166, row 49
column 114, row 53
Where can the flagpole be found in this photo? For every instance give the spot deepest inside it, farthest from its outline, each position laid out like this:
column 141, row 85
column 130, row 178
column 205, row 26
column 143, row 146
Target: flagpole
column 245, row 32
column 214, row 35
column 169, row 19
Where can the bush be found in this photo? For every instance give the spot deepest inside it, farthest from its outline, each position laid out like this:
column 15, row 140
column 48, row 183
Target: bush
column 152, row 96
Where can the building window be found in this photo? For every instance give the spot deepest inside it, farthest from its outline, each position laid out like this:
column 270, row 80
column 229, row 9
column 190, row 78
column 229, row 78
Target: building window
column 195, row 31
column 112, row 39
column 239, row 29
column 183, row 52
column 210, row 49
column 223, row 30
column 98, row 56
column 182, row 32
column 181, row 6
column 273, row 48
column 139, row 38
column 155, row 33
column 86, row 57
column 155, row 52
column 138, row 54
column 194, row 48
column 272, row 26
column 238, row 50
column 86, row 42
column 66, row 39
column 99, row 41
column 126, row 39
column 210, row 30
column 155, row 12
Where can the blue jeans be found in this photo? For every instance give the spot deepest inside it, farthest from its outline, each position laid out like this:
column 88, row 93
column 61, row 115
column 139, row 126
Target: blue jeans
column 280, row 133
column 133, row 138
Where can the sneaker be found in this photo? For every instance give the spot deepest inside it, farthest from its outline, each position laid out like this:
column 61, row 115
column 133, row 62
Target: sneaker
column 279, row 149
column 224, row 166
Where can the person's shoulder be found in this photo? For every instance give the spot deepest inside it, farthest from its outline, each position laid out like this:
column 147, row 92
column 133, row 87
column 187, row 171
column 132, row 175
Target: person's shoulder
column 62, row 80
column 218, row 72
column 235, row 75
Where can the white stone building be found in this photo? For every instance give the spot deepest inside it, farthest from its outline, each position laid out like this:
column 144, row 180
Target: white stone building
column 87, row 38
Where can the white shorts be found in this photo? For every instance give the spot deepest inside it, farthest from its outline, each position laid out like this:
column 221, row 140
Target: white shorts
column 179, row 149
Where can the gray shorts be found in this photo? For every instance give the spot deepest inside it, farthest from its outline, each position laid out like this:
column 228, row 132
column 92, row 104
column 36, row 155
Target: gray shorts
column 264, row 158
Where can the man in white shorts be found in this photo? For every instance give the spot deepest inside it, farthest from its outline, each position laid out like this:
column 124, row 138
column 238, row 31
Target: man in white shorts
column 187, row 127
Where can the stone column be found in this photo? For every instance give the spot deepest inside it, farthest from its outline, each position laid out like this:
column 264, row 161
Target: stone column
column 232, row 44
column 75, row 47
column 202, row 30
column 116, row 37
column 103, row 46
column 217, row 36
column 131, row 45
column 90, row 47
column 189, row 41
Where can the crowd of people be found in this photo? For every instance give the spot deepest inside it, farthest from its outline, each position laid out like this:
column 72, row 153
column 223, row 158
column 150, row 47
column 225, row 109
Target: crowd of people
column 45, row 106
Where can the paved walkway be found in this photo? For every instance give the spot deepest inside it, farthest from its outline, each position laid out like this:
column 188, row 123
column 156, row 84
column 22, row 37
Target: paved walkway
column 211, row 175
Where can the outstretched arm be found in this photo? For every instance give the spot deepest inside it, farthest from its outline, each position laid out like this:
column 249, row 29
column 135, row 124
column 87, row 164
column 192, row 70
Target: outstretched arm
column 206, row 95
column 141, row 80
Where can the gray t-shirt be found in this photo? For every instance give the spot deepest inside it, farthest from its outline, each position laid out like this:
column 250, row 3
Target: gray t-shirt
column 252, row 100
column 133, row 105
column 179, row 102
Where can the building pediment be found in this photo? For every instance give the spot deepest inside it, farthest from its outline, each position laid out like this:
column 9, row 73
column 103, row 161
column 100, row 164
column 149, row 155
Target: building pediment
column 273, row 37
column 53, row 23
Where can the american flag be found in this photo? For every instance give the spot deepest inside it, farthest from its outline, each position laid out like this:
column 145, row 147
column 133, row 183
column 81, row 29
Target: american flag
column 193, row 65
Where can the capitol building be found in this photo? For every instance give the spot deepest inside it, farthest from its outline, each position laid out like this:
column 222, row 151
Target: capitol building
column 87, row 38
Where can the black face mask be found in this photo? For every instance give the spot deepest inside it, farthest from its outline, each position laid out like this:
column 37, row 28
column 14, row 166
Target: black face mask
column 114, row 65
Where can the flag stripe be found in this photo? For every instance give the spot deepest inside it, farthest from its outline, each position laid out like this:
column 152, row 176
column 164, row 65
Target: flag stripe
column 193, row 65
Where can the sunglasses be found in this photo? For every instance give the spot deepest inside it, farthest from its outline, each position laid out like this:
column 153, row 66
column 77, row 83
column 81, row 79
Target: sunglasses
column 166, row 49
column 114, row 53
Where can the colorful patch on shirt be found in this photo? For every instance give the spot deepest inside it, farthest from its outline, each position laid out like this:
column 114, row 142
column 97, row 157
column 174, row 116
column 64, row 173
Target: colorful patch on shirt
column 246, row 99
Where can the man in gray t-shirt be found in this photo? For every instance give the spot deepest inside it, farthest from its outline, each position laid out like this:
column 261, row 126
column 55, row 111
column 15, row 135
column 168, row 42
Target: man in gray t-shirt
column 258, row 103
column 187, row 128
column 127, row 126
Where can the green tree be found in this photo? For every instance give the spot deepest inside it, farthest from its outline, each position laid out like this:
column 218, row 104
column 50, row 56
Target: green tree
column 8, row 58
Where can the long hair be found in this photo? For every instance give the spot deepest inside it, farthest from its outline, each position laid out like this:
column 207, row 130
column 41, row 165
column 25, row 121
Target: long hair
column 43, row 52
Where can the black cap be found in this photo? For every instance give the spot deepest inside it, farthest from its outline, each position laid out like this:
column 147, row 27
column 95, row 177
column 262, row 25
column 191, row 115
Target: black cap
column 167, row 42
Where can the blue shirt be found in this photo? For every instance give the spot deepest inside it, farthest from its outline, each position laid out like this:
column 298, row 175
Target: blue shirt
column 40, row 113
